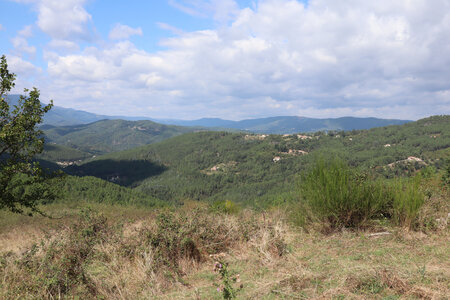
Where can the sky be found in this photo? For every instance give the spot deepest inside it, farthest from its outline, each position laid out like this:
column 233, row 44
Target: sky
column 188, row 59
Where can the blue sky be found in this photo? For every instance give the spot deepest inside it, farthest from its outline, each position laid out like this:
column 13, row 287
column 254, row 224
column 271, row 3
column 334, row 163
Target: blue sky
column 233, row 59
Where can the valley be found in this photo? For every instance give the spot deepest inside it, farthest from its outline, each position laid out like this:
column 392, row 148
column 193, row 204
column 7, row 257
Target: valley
column 151, row 209
column 240, row 167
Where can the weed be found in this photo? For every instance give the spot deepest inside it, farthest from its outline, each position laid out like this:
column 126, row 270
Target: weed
column 422, row 272
column 228, row 279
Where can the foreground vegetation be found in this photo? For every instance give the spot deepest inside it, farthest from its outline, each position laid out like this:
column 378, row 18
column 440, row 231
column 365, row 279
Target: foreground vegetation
column 224, row 251
column 194, row 253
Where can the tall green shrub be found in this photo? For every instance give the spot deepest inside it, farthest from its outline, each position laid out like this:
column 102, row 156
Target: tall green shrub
column 407, row 199
column 341, row 196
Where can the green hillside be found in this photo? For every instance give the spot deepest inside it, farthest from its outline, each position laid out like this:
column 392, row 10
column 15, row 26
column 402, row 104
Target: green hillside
column 259, row 168
column 62, row 154
column 112, row 135
column 87, row 189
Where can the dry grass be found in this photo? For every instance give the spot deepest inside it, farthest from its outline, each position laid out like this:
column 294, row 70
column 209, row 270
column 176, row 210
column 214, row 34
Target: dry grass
column 137, row 255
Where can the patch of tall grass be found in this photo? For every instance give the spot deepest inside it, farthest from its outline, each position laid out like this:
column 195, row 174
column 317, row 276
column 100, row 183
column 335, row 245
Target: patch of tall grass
column 338, row 196
column 407, row 199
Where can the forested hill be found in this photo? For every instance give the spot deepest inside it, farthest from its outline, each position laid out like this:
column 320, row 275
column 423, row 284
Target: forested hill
column 111, row 135
column 248, row 167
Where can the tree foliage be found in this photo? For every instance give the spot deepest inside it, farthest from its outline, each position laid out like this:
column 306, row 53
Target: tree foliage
column 22, row 181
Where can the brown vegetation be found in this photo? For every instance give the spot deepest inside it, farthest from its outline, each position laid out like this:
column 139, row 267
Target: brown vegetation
column 172, row 255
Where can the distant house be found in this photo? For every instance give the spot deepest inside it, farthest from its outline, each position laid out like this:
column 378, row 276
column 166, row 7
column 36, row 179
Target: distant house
column 294, row 152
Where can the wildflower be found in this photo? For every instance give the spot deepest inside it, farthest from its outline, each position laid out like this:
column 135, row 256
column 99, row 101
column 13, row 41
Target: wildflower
column 217, row 266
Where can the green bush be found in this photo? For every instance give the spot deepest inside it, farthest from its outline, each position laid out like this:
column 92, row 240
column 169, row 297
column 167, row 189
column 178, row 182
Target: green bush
column 446, row 174
column 225, row 206
column 340, row 196
column 407, row 199
column 334, row 193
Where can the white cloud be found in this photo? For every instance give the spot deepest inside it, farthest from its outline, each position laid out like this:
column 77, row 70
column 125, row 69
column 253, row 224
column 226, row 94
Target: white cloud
column 385, row 58
column 170, row 28
column 20, row 42
column 193, row 11
column 1, row 27
column 24, row 69
column 220, row 10
column 123, row 32
column 64, row 20
column 21, row 45
column 26, row 32
column 64, row 45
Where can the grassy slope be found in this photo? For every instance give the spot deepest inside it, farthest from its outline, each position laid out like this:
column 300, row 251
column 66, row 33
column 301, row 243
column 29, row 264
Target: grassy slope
column 273, row 260
column 181, row 167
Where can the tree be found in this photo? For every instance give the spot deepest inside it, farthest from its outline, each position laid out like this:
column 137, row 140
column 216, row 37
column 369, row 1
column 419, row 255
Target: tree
column 23, row 184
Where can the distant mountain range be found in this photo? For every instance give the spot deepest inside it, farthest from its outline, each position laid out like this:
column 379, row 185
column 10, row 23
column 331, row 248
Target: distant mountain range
column 59, row 116
column 290, row 124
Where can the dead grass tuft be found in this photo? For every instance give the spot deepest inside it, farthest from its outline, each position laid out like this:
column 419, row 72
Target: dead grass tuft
column 394, row 282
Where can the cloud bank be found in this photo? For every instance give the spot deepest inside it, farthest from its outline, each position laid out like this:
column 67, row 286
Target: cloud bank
column 281, row 57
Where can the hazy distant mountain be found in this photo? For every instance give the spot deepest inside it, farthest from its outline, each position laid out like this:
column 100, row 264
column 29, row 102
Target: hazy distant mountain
column 205, row 122
column 60, row 116
column 290, row 124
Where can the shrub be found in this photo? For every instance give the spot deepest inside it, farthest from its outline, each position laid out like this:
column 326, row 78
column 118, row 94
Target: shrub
column 407, row 199
column 225, row 206
column 340, row 196
column 192, row 236
column 446, row 174
column 169, row 243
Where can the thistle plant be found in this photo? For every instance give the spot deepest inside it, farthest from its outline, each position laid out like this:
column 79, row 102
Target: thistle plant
column 228, row 280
